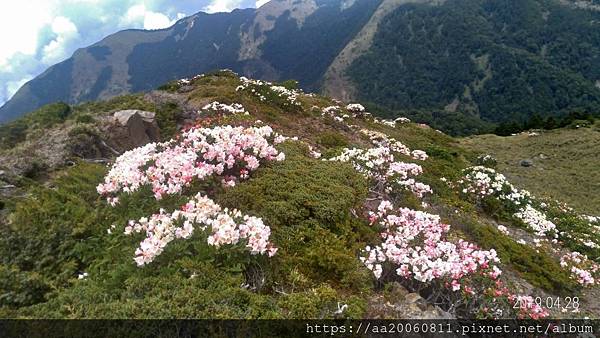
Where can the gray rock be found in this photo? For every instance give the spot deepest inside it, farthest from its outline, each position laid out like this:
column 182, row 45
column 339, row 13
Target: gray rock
column 134, row 128
column 526, row 163
column 124, row 116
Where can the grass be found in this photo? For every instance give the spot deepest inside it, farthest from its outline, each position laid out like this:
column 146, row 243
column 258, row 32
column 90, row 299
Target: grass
column 565, row 163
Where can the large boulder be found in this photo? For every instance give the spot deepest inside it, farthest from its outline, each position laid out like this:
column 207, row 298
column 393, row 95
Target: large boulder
column 133, row 128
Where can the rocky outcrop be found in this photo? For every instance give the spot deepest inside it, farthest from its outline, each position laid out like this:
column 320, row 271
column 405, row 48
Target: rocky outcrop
column 400, row 303
column 264, row 21
column 132, row 128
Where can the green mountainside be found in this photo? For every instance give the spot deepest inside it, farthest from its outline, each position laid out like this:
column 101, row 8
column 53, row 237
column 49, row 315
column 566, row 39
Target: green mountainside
column 462, row 66
column 65, row 252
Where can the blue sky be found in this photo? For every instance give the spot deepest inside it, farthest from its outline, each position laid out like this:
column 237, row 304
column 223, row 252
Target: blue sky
column 35, row 34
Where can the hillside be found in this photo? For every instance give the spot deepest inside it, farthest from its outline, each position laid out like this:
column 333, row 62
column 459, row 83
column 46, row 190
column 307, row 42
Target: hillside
column 460, row 66
column 225, row 197
column 564, row 162
column 281, row 40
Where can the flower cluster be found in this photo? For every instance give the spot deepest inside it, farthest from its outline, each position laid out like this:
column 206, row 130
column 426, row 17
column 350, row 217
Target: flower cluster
column 335, row 113
column 234, row 108
column 486, row 160
column 528, row 308
column 583, row 270
column 415, row 242
column 187, row 81
column 290, row 95
column 225, row 151
column 226, row 227
column 199, row 153
column 391, row 123
column 483, row 182
column 536, row 220
column 382, row 140
column 355, row 108
column 379, row 164
column 262, row 89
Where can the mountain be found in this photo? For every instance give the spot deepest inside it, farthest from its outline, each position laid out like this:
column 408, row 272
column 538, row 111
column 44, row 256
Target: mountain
column 224, row 197
column 461, row 65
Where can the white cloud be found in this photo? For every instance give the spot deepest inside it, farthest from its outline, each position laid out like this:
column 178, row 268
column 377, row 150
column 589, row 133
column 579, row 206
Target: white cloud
column 141, row 16
column 217, row 6
column 58, row 49
column 154, row 20
column 259, row 3
column 20, row 26
column 13, row 86
column 38, row 33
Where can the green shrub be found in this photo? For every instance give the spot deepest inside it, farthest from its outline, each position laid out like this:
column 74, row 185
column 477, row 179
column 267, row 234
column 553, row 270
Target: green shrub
column 50, row 114
column 316, row 303
column 167, row 116
column 171, row 87
column 332, row 139
column 13, row 133
column 538, row 268
column 307, row 203
column 441, row 153
column 290, row 84
column 35, row 170
column 21, row 288
column 84, row 118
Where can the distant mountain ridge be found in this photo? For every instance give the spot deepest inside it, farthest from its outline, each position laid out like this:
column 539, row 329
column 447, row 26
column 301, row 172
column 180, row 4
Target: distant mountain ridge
column 452, row 62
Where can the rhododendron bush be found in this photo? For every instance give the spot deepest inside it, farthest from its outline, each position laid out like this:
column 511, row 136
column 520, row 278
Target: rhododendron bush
column 483, row 183
column 269, row 92
column 229, row 153
column 458, row 275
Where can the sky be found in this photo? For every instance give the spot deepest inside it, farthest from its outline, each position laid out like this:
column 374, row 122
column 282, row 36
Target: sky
column 35, row 34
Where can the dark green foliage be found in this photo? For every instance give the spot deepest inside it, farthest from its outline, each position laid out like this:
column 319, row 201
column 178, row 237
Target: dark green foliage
column 13, row 133
column 303, row 52
column 508, row 128
column 307, row 204
column 331, row 139
column 539, row 269
column 574, row 118
column 167, row 116
column 35, row 170
column 290, row 84
column 49, row 115
column 134, row 101
column 61, row 232
column 573, row 231
column 21, row 288
column 42, row 241
column 171, row 86
column 495, row 61
column 84, row 118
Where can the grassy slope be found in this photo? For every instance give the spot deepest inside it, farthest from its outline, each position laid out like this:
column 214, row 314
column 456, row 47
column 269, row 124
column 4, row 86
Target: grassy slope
column 56, row 233
column 565, row 163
